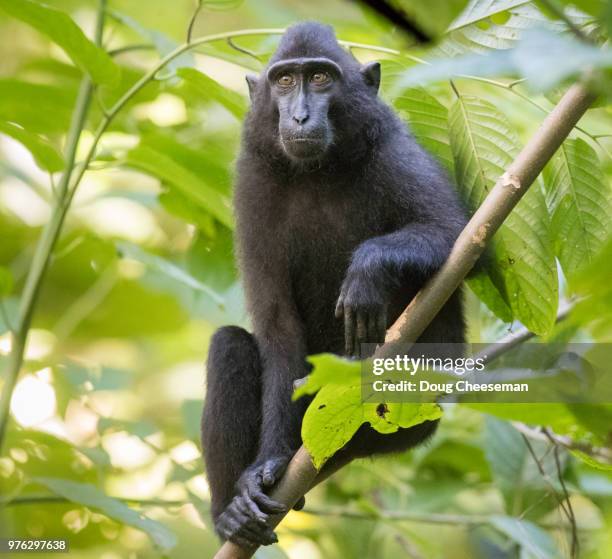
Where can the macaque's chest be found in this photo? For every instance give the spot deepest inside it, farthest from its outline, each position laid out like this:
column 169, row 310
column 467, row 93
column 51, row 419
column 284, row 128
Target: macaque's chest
column 323, row 231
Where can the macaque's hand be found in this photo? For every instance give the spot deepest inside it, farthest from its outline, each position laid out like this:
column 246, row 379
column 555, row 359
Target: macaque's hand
column 363, row 306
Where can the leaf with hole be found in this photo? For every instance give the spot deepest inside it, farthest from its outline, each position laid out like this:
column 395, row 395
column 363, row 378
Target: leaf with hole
column 338, row 410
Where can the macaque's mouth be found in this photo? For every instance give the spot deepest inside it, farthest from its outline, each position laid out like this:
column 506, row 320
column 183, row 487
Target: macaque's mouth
column 304, row 148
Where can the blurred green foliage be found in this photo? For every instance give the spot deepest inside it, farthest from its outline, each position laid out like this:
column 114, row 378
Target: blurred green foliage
column 102, row 444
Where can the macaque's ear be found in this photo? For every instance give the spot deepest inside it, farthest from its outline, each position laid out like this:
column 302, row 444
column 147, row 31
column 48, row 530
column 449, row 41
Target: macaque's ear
column 252, row 83
column 371, row 74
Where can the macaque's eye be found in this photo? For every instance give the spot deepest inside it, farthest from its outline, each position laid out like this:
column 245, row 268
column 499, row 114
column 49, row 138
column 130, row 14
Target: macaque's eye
column 320, row 78
column 286, row 80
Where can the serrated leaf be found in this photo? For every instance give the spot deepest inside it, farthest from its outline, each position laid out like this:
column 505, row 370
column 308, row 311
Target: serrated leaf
column 484, row 34
column 213, row 90
column 45, row 155
column 522, row 264
column 91, row 497
column 579, row 200
column 428, row 119
column 62, row 30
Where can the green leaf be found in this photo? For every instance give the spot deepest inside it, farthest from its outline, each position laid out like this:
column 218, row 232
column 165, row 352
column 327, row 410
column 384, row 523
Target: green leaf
column 428, row 120
column 546, row 58
column 478, row 10
column 433, row 16
column 531, row 538
column 590, row 461
column 170, row 171
column 36, row 107
column 511, row 463
column 141, row 429
column 522, row 264
column 6, row 282
column 191, row 413
column 543, row 57
column 329, row 369
column 210, row 259
column 211, row 160
column 210, row 89
column 593, row 282
column 592, row 7
column 167, row 268
column 487, row 292
column 580, row 204
column 337, row 410
column 91, row 497
column 556, row 416
column 60, row 28
column 45, row 155
column 480, row 34
column 86, row 379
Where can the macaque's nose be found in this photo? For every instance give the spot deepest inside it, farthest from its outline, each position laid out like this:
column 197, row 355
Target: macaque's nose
column 300, row 116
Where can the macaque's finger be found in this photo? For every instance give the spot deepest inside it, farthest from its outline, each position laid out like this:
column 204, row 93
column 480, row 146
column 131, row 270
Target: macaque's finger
column 362, row 331
column 382, row 326
column 231, row 527
column 259, row 534
column 263, row 502
column 339, row 307
column 250, row 509
column 349, row 331
column 272, row 471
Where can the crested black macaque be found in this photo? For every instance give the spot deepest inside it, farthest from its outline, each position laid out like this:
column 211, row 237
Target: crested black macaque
column 341, row 217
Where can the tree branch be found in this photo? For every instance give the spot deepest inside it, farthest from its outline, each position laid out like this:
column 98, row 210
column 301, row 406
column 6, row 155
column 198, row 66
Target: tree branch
column 509, row 189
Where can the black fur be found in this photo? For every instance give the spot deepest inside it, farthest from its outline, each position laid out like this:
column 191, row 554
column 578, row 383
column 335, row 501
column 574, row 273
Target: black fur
column 369, row 220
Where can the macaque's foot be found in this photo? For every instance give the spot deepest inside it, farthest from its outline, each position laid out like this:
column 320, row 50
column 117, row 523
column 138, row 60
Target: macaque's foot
column 244, row 520
column 235, row 524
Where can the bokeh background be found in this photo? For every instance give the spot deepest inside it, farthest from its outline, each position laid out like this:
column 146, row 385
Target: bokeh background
column 112, row 386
